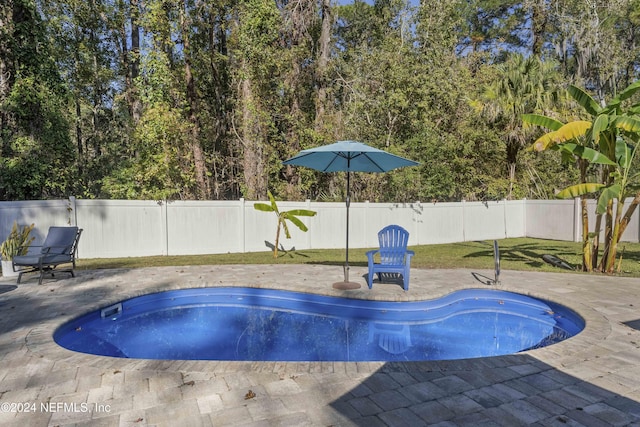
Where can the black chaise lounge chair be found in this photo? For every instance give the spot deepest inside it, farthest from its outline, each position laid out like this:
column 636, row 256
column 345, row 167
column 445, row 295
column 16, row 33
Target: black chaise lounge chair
column 59, row 248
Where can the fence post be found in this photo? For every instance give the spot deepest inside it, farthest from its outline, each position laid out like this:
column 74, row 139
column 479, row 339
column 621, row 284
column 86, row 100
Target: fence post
column 367, row 243
column 504, row 204
column 71, row 209
column 416, row 222
column 464, row 235
column 577, row 220
column 243, row 226
column 308, row 234
column 524, row 216
column 164, row 221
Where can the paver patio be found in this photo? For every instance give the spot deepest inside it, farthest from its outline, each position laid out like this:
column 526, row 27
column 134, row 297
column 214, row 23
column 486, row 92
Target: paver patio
column 591, row 379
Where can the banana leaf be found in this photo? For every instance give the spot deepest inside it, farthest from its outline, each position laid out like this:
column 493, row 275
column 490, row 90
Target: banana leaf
column 579, row 189
column 301, row 212
column 586, row 153
column 544, row 121
column 624, row 153
column 600, row 124
column 295, row 221
column 627, row 93
column 263, row 207
column 609, row 193
column 567, row 132
column 628, row 124
column 585, row 100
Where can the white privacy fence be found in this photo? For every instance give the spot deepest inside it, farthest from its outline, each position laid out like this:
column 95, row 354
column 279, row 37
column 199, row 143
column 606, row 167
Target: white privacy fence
column 129, row 228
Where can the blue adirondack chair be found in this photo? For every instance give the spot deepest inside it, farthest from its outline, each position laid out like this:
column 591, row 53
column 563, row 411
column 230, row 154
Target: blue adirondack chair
column 393, row 254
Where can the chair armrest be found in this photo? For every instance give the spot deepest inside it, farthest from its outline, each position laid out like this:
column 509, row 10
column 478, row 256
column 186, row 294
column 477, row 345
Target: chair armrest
column 408, row 256
column 30, row 249
column 370, row 254
column 64, row 248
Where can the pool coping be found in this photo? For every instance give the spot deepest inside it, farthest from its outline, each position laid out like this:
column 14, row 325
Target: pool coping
column 39, row 340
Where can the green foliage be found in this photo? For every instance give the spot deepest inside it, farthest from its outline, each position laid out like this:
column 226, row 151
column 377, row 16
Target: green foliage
column 492, row 25
column 84, row 111
column 613, row 133
column 283, row 217
column 158, row 168
column 523, row 86
column 17, row 242
column 38, row 157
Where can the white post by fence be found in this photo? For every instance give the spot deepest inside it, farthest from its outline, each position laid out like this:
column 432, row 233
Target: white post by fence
column 577, row 219
column 164, row 219
column 464, row 237
column 243, row 228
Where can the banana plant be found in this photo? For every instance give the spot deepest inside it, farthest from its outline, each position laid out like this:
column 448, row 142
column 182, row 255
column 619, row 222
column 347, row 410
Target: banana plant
column 17, row 242
column 283, row 217
column 560, row 136
column 610, row 139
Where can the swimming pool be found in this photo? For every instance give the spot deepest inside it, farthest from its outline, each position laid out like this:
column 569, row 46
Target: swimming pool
column 252, row 324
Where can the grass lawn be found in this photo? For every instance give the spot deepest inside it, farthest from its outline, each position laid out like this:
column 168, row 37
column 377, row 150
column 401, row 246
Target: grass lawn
column 515, row 254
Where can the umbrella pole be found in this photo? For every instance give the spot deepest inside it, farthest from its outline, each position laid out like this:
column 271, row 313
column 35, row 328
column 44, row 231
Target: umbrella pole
column 347, row 284
column 346, row 264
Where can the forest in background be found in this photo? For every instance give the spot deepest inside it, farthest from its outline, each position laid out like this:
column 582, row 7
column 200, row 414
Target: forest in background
column 203, row 99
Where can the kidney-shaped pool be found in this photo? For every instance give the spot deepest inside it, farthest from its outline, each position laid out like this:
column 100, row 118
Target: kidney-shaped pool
column 252, row 324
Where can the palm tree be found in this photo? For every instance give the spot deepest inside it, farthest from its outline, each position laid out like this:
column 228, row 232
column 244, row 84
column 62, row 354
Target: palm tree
column 522, row 85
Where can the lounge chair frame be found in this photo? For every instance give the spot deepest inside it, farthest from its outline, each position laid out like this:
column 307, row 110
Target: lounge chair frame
column 59, row 248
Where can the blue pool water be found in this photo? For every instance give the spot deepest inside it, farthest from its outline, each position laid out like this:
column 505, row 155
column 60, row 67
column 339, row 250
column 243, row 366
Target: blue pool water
column 269, row 325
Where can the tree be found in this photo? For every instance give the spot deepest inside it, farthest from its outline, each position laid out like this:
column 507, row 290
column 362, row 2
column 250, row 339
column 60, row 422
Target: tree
column 522, row 85
column 255, row 36
column 200, row 168
column 6, row 54
column 582, row 161
column 491, row 25
column 614, row 132
column 37, row 153
column 595, row 41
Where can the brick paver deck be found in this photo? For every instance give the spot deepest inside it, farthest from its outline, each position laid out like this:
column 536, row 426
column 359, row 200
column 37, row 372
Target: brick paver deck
column 592, row 379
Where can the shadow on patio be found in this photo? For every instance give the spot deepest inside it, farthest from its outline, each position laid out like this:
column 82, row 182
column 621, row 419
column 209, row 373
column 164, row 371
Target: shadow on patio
column 507, row 390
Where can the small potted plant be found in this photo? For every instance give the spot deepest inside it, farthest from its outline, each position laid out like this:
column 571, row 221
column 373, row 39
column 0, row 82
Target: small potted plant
column 16, row 243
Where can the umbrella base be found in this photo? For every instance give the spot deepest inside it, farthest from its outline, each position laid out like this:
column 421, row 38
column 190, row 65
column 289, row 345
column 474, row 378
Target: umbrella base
column 345, row 286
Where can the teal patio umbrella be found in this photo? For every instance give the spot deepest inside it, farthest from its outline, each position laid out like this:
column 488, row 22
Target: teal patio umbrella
column 348, row 156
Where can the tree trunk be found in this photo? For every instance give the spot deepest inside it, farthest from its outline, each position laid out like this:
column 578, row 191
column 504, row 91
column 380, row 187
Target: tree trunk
column 615, row 237
column 620, row 225
column 98, row 92
column 6, row 67
column 277, row 242
column 630, row 210
column 595, row 246
column 202, row 189
column 608, row 233
column 135, row 104
column 586, row 244
column 251, row 139
column 324, row 47
column 538, row 26
column 220, row 77
column 512, row 178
